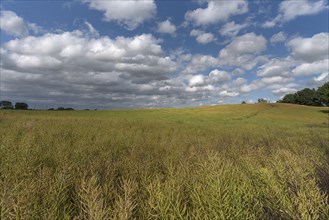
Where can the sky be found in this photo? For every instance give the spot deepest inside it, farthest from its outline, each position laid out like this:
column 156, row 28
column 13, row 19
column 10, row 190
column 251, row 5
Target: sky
column 151, row 54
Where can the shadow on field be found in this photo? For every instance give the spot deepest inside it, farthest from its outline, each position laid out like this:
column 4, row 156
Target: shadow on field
column 324, row 111
column 323, row 125
column 323, row 183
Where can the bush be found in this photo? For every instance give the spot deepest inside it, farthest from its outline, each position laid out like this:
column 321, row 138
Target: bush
column 262, row 100
column 323, row 94
column 21, row 106
column 307, row 96
column 6, row 105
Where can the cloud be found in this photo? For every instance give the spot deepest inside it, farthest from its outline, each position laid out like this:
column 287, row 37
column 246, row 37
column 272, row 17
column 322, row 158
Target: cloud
column 211, row 85
column 15, row 25
column 274, row 82
column 91, row 29
column 275, row 79
column 278, row 37
column 232, row 29
column 228, row 94
column 248, row 43
column 318, row 80
column 311, row 68
column 79, row 69
column 208, row 85
column 196, row 80
column 269, row 24
column 323, row 77
column 276, row 67
column 129, row 13
column 218, row 76
column 242, row 51
column 207, row 88
column 239, row 81
column 202, row 37
column 197, row 63
column 289, row 10
column 292, row 9
column 216, row 11
column 283, row 91
column 76, row 68
column 166, row 27
column 310, row 49
column 213, row 78
column 12, row 24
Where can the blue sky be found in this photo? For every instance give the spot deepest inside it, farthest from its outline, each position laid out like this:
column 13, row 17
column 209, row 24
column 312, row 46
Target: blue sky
column 145, row 54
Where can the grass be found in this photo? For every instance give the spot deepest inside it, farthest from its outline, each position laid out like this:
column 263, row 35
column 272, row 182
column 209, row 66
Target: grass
column 257, row 161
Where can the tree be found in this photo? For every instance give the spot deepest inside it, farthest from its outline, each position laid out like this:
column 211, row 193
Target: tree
column 62, row 108
column 323, row 94
column 290, row 98
column 21, row 106
column 307, row 97
column 243, row 102
column 6, row 105
column 262, row 100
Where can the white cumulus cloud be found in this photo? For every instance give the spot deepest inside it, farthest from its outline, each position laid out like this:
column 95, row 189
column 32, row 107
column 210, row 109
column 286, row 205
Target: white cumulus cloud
column 217, row 11
column 72, row 67
column 248, row 43
column 16, row 26
column 283, row 91
column 276, row 67
column 291, row 9
column 232, row 29
column 311, row 68
column 228, row 94
column 310, row 49
column 202, row 37
column 166, row 27
column 218, row 76
column 242, row 51
column 12, row 24
column 196, row 80
column 129, row 13
column 322, row 77
column 278, row 37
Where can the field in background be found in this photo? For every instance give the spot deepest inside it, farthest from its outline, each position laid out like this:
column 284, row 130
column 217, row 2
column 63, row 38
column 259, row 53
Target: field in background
column 253, row 161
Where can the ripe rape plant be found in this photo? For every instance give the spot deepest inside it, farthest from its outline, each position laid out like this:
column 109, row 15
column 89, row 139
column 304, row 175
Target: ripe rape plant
column 251, row 161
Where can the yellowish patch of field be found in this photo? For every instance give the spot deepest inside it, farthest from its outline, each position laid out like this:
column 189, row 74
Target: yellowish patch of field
column 252, row 161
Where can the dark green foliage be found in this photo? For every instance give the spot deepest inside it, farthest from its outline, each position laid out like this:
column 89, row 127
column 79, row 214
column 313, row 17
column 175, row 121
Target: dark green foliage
column 323, row 93
column 262, row 100
column 243, row 102
column 62, row 108
column 21, row 106
column 307, row 96
column 6, row 105
column 290, row 98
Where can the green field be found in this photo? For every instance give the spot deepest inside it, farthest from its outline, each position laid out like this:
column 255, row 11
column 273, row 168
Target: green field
column 253, row 161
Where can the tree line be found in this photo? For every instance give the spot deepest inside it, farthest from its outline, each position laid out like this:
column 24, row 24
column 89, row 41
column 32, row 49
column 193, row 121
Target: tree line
column 24, row 106
column 9, row 105
column 307, row 96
